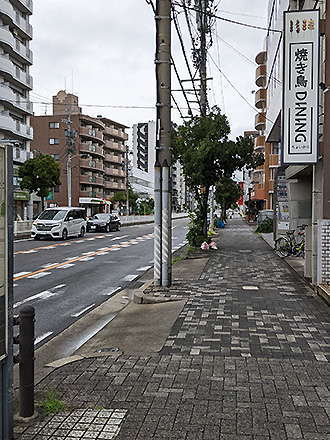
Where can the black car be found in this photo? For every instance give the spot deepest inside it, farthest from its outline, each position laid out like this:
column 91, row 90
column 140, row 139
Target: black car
column 103, row 222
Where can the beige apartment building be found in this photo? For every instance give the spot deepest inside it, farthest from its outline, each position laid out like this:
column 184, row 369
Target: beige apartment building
column 96, row 154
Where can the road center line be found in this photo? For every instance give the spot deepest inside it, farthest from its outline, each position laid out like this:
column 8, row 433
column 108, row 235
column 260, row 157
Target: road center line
column 117, row 246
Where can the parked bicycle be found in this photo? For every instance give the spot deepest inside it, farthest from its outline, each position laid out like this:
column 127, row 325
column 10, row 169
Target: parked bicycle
column 288, row 245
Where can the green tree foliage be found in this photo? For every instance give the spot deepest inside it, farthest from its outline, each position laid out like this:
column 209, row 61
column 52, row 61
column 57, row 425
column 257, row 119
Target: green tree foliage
column 40, row 174
column 206, row 154
column 227, row 193
column 121, row 197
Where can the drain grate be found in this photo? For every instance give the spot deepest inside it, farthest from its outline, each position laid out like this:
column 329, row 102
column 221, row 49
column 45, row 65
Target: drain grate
column 107, row 349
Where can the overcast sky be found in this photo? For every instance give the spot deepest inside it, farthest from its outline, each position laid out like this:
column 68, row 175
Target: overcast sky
column 103, row 51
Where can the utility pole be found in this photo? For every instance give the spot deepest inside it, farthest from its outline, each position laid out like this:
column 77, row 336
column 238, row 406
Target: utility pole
column 202, row 26
column 163, row 190
column 70, row 135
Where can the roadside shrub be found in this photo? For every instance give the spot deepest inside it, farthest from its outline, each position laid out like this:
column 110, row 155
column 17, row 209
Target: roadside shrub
column 195, row 235
column 265, row 226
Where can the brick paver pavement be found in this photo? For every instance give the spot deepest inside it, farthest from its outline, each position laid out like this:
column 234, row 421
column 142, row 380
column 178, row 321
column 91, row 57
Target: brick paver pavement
column 248, row 358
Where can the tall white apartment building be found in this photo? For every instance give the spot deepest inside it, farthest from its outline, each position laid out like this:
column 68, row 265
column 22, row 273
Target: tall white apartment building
column 15, row 86
column 142, row 176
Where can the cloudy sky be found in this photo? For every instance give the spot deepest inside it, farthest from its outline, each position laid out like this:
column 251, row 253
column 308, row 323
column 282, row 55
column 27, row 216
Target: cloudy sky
column 103, row 51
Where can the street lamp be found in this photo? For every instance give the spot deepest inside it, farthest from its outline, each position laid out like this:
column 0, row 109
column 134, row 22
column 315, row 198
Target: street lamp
column 68, row 169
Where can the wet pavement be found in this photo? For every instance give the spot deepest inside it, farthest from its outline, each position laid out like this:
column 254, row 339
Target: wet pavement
column 247, row 358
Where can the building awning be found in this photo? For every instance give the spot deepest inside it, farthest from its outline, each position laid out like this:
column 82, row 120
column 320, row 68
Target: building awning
column 258, row 194
column 93, row 201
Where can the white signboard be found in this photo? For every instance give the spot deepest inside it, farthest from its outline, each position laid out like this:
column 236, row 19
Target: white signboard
column 300, row 87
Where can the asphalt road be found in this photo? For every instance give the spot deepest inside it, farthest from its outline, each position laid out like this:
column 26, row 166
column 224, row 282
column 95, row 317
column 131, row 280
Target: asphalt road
column 64, row 280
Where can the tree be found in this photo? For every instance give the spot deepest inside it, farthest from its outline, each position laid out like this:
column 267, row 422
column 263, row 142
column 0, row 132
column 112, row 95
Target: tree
column 121, row 197
column 227, row 193
column 206, row 154
column 40, row 174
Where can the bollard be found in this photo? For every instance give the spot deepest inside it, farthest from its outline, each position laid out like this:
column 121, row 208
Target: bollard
column 26, row 361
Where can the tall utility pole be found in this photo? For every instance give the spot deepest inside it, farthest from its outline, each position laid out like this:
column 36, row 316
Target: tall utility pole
column 163, row 190
column 70, row 135
column 202, row 26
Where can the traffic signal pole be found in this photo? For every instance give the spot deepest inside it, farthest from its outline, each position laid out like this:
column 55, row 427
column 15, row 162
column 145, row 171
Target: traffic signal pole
column 163, row 185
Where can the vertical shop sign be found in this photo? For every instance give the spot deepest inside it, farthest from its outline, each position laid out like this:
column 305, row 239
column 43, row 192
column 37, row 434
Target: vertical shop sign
column 300, row 87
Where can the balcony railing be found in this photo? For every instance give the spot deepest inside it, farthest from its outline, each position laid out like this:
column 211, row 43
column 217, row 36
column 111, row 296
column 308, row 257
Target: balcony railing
column 261, row 75
column 261, row 98
column 260, row 121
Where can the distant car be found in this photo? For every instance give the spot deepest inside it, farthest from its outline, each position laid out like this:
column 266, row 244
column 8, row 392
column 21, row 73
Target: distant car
column 103, row 222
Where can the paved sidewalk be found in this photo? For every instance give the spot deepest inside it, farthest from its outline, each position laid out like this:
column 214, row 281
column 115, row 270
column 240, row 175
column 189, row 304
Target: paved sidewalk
column 247, row 358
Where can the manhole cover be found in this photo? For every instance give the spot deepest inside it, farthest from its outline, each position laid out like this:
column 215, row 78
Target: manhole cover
column 105, row 350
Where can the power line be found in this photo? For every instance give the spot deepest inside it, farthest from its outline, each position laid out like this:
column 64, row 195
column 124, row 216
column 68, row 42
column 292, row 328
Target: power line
column 210, row 14
column 237, row 91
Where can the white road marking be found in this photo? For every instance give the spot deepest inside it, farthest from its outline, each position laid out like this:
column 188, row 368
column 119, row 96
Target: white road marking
column 119, row 238
column 103, row 253
column 102, row 249
column 86, row 259
column 39, row 275
column 113, row 250
column 112, row 291
column 59, row 286
column 29, row 252
column 75, row 315
column 20, row 274
column 42, row 337
column 125, row 245
column 144, row 268
column 49, row 265
column 65, row 244
column 90, row 239
column 85, row 253
column 79, row 241
column 65, row 266
column 42, row 295
column 15, row 285
column 129, row 277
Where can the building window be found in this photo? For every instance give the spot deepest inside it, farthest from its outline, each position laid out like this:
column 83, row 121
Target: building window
column 18, row 153
column 54, row 141
column 56, row 157
column 56, row 189
column 54, row 125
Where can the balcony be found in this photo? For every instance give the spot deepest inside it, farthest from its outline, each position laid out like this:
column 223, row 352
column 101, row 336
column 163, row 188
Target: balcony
column 261, row 98
column 110, row 131
column 91, row 194
column 112, row 158
column 273, row 160
column 92, row 134
column 261, row 57
column 15, row 46
column 261, row 75
column 259, row 144
column 92, row 165
column 114, row 172
column 15, row 127
column 14, row 100
column 111, row 185
column 93, row 150
column 87, row 179
column 260, row 121
column 24, row 5
column 115, row 146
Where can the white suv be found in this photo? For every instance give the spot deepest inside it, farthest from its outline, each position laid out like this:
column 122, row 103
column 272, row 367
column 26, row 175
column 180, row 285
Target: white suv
column 59, row 222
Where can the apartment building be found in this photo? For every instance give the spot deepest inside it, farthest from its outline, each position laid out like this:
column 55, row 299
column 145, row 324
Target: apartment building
column 15, row 86
column 142, row 175
column 96, row 158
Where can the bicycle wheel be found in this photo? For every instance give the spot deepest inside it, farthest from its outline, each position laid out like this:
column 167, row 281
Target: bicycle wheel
column 282, row 246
